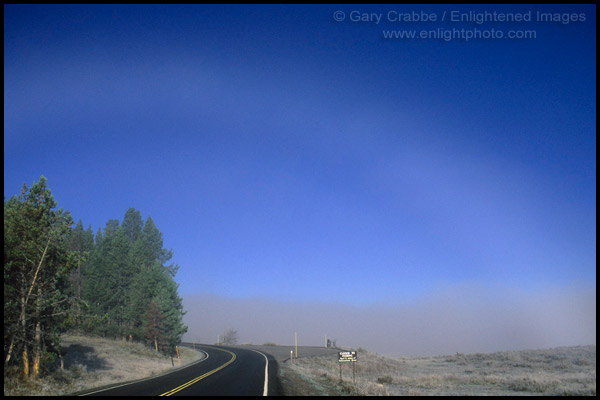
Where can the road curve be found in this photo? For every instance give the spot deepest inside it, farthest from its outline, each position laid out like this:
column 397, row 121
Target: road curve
column 224, row 372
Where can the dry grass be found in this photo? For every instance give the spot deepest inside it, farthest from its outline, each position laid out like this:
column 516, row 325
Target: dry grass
column 560, row 371
column 93, row 362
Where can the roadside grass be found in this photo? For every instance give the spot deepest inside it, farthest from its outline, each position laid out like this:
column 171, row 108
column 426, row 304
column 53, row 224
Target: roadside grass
column 91, row 362
column 560, row 371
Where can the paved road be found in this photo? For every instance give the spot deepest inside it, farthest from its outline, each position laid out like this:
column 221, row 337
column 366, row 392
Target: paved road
column 282, row 353
column 227, row 371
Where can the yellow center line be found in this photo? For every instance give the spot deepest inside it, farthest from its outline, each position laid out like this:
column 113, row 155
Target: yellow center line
column 190, row 383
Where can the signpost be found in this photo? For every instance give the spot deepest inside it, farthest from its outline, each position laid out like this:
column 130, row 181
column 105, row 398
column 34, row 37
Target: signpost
column 348, row 356
column 345, row 356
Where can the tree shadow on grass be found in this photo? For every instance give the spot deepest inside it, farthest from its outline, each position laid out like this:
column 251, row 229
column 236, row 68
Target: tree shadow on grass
column 76, row 354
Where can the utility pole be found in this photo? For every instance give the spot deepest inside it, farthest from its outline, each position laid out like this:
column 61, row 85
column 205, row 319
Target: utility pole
column 296, row 343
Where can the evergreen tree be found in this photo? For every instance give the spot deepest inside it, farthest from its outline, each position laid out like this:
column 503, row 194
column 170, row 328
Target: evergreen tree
column 108, row 278
column 98, row 237
column 37, row 266
column 140, row 295
column 154, row 243
column 154, row 327
column 81, row 243
column 116, row 284
column 171, row 306
column 132, row 224
column 126, row 274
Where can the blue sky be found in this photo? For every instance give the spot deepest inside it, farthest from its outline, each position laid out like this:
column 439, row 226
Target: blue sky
column 288, row 156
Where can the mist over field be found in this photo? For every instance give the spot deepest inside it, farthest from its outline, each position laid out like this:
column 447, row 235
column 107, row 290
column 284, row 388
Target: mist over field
column 463, row 319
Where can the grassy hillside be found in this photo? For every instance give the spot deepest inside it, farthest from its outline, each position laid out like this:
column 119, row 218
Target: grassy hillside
column 560, row 371
column 93, row 362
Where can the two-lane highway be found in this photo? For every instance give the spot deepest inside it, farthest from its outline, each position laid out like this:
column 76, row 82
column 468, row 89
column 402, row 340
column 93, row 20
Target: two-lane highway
column 224, row 372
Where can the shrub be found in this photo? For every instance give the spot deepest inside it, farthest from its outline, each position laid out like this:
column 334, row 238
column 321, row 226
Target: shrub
column 385, row 380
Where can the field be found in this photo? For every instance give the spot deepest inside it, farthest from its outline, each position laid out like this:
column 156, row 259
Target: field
column 91, row 362
column 560, row 371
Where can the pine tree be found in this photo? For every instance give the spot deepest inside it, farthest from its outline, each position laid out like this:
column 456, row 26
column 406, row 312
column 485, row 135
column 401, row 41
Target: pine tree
column 108, row 279
column 154, row 243
column 171, row 306
column 132, row 224
column 153, row 326
column 98, row 238
column 81, row 243
column 37, row 266
column 125, row 275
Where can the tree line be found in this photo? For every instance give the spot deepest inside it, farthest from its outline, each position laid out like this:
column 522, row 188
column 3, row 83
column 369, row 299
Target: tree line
column 59, row 276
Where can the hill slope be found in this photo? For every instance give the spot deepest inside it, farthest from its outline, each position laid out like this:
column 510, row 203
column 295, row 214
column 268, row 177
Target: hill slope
column 93, row 362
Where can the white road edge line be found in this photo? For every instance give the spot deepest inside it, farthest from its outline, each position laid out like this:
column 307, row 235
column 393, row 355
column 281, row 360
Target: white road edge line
column 266, row 388
column 146, row 379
